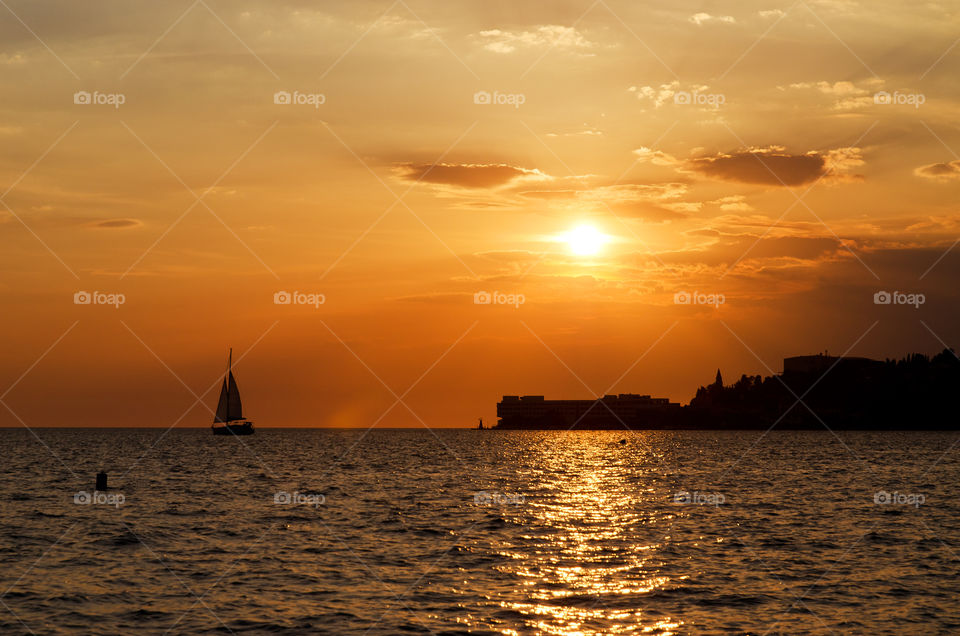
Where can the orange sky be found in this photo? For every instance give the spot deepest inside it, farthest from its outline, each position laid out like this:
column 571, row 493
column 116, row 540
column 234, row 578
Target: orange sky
column 790, row 159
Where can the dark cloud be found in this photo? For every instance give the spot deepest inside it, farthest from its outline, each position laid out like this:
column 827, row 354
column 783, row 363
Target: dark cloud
column 762, row 166
column 774, row 166
column 466, row 175
column 729, row 249
column 549, row 194
column 940, row 171
column 118, row 223
column 800, row 247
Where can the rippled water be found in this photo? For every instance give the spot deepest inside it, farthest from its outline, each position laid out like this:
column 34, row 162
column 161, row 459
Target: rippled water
column 479, row 532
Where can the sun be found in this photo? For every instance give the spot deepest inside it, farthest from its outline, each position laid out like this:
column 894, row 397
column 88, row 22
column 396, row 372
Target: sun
column 585, row 240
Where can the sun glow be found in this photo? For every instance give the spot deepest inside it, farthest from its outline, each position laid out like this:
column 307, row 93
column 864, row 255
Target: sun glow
column 585, row 240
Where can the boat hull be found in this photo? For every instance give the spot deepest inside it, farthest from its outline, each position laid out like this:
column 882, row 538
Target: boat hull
column 246, row 428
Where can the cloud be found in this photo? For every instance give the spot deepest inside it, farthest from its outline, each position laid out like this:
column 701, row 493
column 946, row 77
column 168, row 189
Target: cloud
column 656, row 157
column 644, row 191
column 586, row 132
column 940, row 171
column 702, row 18
column 554, row 35
column 659, row 96
column 657, row 213
column 655, row 202
column 113, row 224
column 735, row 203
column 468, row 175
column 726, row 249
column 842, row 88
column 682, row 208
column 10, row 60
column 848, row 95
column 798, row 247
column 549, row 194
column 672, row 92
column 774, row 166
column 404, row 27
column 842, row 161
column 763, row 166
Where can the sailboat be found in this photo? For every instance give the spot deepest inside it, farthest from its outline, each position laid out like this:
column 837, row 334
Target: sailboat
column 229, row 408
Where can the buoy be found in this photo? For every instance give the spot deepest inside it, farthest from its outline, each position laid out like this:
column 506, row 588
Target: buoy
column 101, row 481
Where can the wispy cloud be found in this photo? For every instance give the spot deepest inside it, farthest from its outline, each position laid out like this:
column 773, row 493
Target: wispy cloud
column 552, row 35
column 940, row 171
column 704, row 18
column 468, row 175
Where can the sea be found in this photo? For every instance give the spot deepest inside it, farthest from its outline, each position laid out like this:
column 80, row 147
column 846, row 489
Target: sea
column 446, row 531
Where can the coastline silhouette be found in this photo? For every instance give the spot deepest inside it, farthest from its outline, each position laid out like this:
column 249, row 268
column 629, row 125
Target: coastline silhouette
column 917, row 392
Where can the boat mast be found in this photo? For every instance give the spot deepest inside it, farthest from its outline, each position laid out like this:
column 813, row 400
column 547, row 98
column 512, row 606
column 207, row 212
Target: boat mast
column 227, row 380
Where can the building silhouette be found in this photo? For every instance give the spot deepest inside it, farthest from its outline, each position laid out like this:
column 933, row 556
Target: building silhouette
column 813, row 392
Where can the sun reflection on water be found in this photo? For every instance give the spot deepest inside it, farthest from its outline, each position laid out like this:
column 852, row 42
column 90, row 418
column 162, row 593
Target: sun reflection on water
column 590, row 552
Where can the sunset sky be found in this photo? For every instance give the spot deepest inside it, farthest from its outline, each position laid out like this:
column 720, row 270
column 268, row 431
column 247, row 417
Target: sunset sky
column 789, row 159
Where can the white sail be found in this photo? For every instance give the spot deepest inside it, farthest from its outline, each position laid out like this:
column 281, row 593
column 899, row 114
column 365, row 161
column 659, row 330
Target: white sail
column 222, row 414
column 234, row 406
